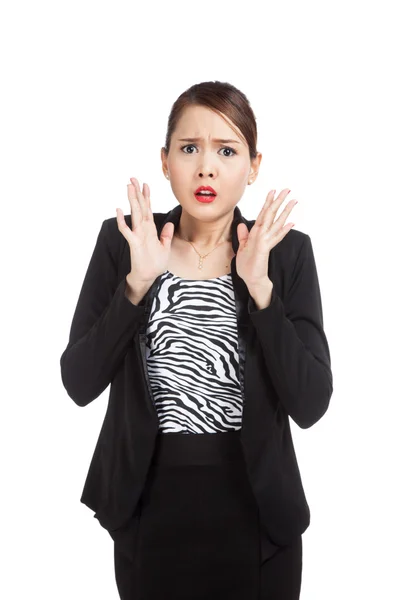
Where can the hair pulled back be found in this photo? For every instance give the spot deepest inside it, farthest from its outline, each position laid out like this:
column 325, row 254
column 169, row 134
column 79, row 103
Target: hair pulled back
column 224, row 99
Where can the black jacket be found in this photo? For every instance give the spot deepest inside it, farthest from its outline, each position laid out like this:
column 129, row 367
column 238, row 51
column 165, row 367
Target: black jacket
column 284, row 370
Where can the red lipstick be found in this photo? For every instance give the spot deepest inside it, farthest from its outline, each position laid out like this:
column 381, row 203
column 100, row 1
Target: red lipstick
column 205, row 197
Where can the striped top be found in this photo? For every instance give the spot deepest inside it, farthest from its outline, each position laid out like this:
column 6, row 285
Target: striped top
column 192, row 355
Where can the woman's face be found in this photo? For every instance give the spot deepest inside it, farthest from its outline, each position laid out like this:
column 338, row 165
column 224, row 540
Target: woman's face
column 225, row 166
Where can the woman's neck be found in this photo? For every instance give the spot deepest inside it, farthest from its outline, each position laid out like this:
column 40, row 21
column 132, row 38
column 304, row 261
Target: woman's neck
column 204, row 235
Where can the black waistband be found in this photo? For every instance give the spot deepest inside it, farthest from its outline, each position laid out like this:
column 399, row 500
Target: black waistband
column 198, row 448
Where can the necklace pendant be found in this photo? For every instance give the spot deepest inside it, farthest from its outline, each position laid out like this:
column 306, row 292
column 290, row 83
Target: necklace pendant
column 200, row 263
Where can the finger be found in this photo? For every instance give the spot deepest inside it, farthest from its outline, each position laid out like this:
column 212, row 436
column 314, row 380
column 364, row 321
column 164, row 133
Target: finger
column 273, row 208
column 136, row 211
column 146, row 194
column 269, row 199
column 140, row 197
column 166, row 235
column 284, row 231
column 279, row 199
column 122, row 226
column 279, row 223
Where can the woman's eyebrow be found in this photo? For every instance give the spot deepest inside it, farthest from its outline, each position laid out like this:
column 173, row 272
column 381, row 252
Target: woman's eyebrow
column 198, row 139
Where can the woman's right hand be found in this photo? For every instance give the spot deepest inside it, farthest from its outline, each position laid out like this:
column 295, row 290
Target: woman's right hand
column 149, row 255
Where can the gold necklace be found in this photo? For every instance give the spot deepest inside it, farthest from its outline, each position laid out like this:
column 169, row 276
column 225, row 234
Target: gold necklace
column 201, row 256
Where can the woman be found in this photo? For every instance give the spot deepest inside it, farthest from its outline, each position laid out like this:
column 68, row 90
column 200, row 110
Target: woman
column 209, row 328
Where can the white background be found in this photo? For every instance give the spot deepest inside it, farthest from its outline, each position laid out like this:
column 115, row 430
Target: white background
column 86, row 92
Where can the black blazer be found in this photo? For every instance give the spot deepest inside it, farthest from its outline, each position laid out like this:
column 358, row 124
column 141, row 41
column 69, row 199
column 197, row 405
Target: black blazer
column 284, row 368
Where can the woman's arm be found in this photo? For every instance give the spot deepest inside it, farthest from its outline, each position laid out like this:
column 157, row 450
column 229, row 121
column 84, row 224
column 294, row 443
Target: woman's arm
column 103, row 325
column 294, row 344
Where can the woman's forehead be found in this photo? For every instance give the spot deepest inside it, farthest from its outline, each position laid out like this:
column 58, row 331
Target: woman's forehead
column 203, row 123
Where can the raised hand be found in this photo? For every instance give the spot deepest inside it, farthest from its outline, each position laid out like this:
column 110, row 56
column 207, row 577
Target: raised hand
column 254, row 247
column 149, row 255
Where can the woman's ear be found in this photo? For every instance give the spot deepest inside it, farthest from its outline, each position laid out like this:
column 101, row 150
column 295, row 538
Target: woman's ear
column 164, row 164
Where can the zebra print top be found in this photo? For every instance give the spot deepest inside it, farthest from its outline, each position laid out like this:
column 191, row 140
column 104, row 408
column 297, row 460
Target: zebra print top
column 192, row 355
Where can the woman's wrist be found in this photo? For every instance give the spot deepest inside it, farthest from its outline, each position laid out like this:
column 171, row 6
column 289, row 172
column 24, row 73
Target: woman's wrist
column 135, row 290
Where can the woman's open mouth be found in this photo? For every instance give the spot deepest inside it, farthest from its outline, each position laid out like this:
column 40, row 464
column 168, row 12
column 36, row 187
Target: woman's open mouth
column 205, row 194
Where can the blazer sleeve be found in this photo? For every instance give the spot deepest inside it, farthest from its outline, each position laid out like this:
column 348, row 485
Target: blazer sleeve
column 294, row 345
column 103, row 325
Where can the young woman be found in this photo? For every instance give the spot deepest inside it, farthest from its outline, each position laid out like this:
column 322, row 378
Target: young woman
column 209, row 328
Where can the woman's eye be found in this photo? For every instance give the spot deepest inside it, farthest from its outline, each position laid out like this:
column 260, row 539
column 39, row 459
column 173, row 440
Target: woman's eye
column 189, row 146
column 224, row 148
column 230, row 149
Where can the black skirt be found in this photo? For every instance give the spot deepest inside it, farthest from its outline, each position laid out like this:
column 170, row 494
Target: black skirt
column 196, row 534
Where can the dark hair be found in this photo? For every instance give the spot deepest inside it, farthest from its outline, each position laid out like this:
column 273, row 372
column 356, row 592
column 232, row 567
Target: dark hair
column 224, row 99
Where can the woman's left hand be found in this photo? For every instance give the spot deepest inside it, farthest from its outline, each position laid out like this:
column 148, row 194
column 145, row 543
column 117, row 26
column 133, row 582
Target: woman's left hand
column 254, row 247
